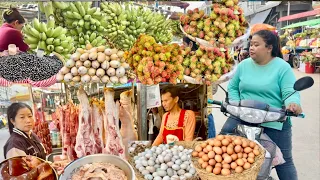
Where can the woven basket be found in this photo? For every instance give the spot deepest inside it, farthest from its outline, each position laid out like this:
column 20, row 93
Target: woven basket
column 139, row 176
column 249, row 174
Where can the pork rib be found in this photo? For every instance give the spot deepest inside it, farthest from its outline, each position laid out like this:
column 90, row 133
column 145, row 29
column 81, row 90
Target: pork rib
column 97, row 118
column 114, row 144
column 126, row 117
column 85, row 142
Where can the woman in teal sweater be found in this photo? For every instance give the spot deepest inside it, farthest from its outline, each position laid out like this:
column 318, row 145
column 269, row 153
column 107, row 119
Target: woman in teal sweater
column 266, row 77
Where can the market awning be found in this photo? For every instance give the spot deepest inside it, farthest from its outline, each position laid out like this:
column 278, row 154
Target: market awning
column 300, row 15
column 312, row 22
column 260, row 17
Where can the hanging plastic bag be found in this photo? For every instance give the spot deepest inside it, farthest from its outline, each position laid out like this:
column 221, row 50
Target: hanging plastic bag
column 278, row 159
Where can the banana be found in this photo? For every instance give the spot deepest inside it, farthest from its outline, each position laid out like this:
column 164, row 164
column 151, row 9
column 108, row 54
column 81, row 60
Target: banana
column 49, row 41
column 33, row 46
column 76, row 15
column 43, row 27
column 42, row 45
column 43, row 36
column 93, row 36
column 34, row 32
column 62, row 37
column 36, row 24
column 51, row 22
column 56, row 42
column 80, row 8
column 58, row 49
column 65, row 44
column 50, row 48
column 57, row 31
column 91, row 11
column 60, row 5
column 73, row 8
column 30, row 40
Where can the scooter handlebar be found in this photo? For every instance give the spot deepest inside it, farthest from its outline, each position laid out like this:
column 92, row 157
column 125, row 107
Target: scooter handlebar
column 289, row 113
column 210, row 101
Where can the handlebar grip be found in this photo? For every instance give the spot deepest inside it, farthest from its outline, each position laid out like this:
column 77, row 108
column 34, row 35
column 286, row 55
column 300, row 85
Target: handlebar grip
column 289, row 113
column 210, row 101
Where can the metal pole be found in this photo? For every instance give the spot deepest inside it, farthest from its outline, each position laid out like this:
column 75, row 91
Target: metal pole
column 142, row 112
column 288, row 11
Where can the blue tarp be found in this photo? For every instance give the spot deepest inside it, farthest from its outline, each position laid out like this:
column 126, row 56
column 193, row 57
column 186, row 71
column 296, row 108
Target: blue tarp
column 211, row 127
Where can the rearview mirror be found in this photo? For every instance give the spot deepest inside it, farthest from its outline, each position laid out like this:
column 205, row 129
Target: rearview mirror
column 303, row 83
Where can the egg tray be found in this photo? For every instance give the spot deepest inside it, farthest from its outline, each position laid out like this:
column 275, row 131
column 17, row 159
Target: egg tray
column 141, row 148
column 249, row 174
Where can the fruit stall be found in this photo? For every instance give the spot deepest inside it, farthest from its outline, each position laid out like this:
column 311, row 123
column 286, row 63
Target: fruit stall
column 106, row 57
column 302, row 47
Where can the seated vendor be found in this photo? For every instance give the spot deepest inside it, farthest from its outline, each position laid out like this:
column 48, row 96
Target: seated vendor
column 177, row 123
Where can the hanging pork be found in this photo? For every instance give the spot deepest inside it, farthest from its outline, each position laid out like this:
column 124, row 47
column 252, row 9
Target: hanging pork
column 97, row 118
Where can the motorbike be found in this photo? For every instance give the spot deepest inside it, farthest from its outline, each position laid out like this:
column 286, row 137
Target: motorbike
column 255, row 113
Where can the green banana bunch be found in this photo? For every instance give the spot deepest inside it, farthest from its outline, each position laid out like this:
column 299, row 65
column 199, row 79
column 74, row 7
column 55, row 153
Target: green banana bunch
column 50, row 38
column 89, row 38
column 125, row 23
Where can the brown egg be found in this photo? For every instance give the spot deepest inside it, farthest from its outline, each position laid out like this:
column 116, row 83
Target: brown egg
column 238, row 169
column 251, row 155
column 225, row 142
column 244, row 160
column 212, row 162
column 195, row 154
column 204, row 165
column 211, row 142
column 226, row 166
column 247, row 150
column 252, row 144
column 205, row 158
column 198, row 148
column 237, row 149
column 217, row 143
column 230, row 150
column 240, row 162
column 201, row 154
column 225, row 172
column 200, row 161
column 224, row 155
column 203, row 145
column 220, row 137
column 224, row 149
column 217, row 170
column 245, row 155
column 218, row 158
column 209, row 169
column 211, row 154
column 217, row 150
column 237, row 141
column 250, row 160
column 240, row 155
column 233, row 165
column 228, row 159
column 230, row 146
column 256, row 147
column 246, row 165
column 256, row 152
column 209, row 148
column 245, row 143
column 218, row 165
column 234, row 157
column 205, row 150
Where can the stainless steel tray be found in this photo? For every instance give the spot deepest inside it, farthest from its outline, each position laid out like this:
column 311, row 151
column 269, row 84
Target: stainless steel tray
column 117, row 161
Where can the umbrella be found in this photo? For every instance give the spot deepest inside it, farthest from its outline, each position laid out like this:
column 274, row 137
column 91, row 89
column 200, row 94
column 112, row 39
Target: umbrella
column 25, row 66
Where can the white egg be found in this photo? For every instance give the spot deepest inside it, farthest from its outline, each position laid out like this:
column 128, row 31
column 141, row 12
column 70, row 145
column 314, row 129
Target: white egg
column 188, row 175
column 170, row 164
column 180, row 148
column 151, row 169
column 160, row 158
column 164, row 153
column 166, row 178
column 161, row 145
column 181, row 172
column 168, row 151
column 170, row 172
column 155, row 174
column 157, row 161
column 157, row 178
column 148, row 156
column 183, row 178
column 136, row 158
column 167, row 159
column 151, row 163
column 184, row 157
column 148, row 177
column 178, row 162
column 156, row 166
column 145, row 163
column 152, row 158
column 175, row 177
column 176, row 157
column 164, row 167
column 158, row 151
column 145, row 172
column 173, row 159
column 175, row 167
column 192, row 171
column 183, row 166
column 162, row 173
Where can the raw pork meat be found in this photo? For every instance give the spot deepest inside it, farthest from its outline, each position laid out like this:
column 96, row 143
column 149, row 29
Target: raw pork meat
column 127, row 130
column 114, row 144
column 97, row 118
column 85, row 142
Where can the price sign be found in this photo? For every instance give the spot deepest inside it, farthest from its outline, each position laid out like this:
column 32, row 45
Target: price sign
column 153, row 96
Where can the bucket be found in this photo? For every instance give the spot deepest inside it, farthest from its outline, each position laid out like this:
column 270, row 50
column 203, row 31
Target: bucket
column 309, row 68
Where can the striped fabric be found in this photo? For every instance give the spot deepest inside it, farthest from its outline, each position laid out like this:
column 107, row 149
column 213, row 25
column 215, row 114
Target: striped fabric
column 45, row 83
